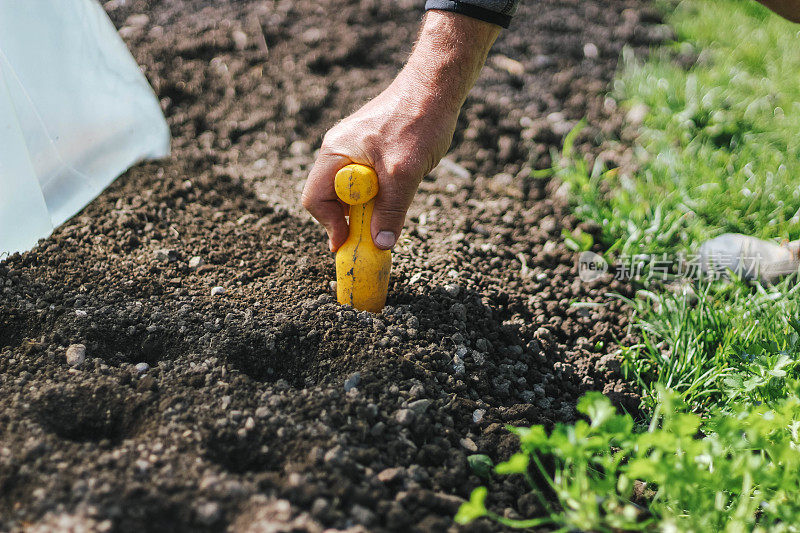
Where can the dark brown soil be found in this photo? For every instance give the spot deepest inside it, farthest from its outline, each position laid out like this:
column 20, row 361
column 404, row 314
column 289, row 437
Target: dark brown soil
column 242, row 420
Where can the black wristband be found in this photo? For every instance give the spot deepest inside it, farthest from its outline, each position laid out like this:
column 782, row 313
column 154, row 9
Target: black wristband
column 470, row 10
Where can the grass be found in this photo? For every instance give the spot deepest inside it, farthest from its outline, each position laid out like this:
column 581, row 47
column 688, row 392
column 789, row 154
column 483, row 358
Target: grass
column 718, row 151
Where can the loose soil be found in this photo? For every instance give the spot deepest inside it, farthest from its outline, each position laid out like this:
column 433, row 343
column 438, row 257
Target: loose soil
column 271, row 407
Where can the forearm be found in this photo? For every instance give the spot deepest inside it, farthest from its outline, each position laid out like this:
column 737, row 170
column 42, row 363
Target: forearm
column 447, row 59
column 789, row 9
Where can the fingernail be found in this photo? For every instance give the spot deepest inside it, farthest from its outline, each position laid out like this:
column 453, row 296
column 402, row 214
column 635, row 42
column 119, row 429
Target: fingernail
column 385, row 239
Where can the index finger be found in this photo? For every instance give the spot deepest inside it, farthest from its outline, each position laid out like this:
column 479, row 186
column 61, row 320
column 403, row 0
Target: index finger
column 319, row 198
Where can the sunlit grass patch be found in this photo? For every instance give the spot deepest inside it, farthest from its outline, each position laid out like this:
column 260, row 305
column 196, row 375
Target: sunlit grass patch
column 717, row 151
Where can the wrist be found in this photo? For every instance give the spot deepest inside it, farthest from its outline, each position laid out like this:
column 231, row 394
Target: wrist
column 447, row 58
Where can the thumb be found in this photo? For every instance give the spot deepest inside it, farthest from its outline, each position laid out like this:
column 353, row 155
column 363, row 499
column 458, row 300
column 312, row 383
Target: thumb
column 388, row 218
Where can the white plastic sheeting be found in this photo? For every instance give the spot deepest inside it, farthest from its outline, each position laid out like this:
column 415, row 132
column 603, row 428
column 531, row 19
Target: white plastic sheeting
column 75, row 113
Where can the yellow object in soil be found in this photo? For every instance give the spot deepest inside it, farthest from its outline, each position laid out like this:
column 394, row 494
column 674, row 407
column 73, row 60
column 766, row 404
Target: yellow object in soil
column 362, row 269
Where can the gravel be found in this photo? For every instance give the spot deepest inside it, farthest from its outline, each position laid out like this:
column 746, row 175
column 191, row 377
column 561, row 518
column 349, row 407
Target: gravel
column 76, row 355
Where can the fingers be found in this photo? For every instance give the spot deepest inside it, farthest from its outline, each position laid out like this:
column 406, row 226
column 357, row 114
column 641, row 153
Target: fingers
column 319, row 198
column 391, row 205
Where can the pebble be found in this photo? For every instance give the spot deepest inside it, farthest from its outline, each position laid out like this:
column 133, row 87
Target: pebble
column 420, row 406
column 544, row 335
column 362, row 515
column 196, row 262
column 404, row 417
column 299, row 148
column 468, row 444
column 76, row 355
column 141, row 368
column 137, row 21
column 164, row 255
column 319, row 506
column 332, row 285
column 389, row 475
column 208, row 513
column 80, row 313
column 239, row 39
column 459, row 367
column 477, row 415
column 352, row 381
column 334, row 455
column 452, row 290
column 590, row 50
column 482, row 345
column 417, row 391
column 512, row 66
column 218, row 291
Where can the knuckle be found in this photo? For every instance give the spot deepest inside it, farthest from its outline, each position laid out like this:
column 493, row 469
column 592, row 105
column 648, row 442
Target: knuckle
column 309, row 201
column 331, row 139
column 390, row 209
column 306, row 202
column 402, row 168
column 396, row 168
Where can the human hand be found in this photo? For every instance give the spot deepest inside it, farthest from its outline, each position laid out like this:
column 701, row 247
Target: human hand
column 404, row 132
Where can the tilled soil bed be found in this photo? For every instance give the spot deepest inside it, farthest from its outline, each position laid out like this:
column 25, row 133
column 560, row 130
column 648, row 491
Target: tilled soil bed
column 271, row 406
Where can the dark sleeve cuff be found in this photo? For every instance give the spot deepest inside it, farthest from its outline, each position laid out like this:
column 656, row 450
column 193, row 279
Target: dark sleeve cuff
column 470, row 10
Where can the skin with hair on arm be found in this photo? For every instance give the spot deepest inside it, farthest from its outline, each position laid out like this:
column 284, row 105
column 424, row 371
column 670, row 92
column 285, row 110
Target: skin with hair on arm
column 404, row 131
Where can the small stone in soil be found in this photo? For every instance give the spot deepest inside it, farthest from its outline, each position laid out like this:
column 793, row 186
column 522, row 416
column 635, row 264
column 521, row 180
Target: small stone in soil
column 208, row 513
column 239, row 39
column 420, row 406
column 404, row 417
column 196, row 262
column 352, row 381
column 164, row 255
column 141, row 368
column 334, row 455
column 388, row 475
column 218, row 291
column 468, row 444
column 458, row 365
column 362, row 515
column 76, row 355
column 477, row 415
column 452, row 290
